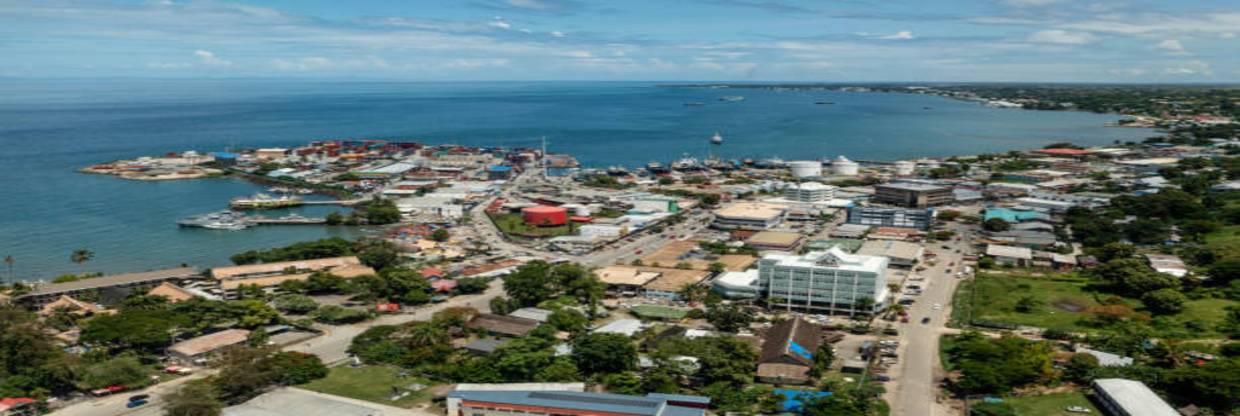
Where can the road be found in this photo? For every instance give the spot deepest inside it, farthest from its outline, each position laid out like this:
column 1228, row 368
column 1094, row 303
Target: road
column 114, row 405
column 917, row 376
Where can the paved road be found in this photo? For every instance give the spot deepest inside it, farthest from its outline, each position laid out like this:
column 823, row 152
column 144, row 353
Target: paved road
column 919, row 372
column 114, row 405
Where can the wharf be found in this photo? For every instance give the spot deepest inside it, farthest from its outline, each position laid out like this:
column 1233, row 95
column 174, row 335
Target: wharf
column 286, row 221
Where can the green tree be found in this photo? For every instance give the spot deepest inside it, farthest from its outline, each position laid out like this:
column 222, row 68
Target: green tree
column 471, row 285
column 604, row 353
column 144, row 330
column 1081, row 367
column 81, row 256
column 623, row 383
column 530, row 284
column 996, row 225
column 440, row 235
column 717, row 267
column 124, row 370
column 339, row 315
column 1116, row 250
column 730, row 318
column 1133, row 277
column 1027, row 304
column 378, row 254
column 823, row 357
column 335, row 218
column 568, row 320
column 295, row 304
column 195, row 398
column 1164, row 301
column 1224, row 271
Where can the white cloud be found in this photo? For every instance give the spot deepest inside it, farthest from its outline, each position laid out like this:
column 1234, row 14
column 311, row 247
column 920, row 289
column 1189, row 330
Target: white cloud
column 302, row 64
column 500, row 23
column 167, row 65
column 1190, row 68
column 1129, row 72
column 1172, row 46
column 557, row 34
column 1062, row 37
column 901, row 35
column 1029, row 3
column 208, row 58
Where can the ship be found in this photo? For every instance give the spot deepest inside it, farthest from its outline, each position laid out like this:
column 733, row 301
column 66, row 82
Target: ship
column 687, row 164
column 617, row 171
column 716, row 139
column 657, row 168
column 824, row 102
column 720, row 164
column 264, row 201
column 222, row 220
column 732, row 98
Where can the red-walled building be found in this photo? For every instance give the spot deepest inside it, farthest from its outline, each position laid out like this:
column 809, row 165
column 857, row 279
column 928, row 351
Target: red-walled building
column 545, row 215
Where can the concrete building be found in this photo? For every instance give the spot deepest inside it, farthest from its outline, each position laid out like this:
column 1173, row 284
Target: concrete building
column 572, row 403
column 911, row 194
column 750, row 216
column 50, row 292
column 809, row 192
column 1123, row 397
column 1008, row 255
column 775, row 240
column 623, row 280
column 737, row 285
column 920, row 219
column 841, row 166
column 269, row 275
column 823, row 281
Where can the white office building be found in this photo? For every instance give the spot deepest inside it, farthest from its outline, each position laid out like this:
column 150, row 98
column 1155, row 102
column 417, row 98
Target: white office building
column 823, row 281
column 809, row 192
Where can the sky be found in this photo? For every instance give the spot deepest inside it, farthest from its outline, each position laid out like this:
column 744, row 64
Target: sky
column 1129, row 41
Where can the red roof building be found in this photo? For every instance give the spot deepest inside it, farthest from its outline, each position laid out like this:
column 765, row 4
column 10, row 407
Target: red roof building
column 432, row 273
column 443, row 286
column 9, row 403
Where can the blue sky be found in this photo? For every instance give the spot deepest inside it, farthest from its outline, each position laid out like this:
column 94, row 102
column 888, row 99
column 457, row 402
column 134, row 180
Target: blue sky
column 758, row 40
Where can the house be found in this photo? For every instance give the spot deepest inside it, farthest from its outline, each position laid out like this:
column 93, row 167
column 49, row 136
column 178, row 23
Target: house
column 172, row 292
column 537, row 314
column 271, row 275
column 485, row 346
column 624, row 280
column 775, row 240
column 1167, row 263
column 1130, row 398
column 1009, row 255
column 626, row 327
column 194, row 350
column 788, row 352
column 72, row 305
column 14, row 405
column 503, row 325
column 508, row 402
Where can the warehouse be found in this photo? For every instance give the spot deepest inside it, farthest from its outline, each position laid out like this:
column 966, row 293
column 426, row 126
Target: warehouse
column 1122, row 397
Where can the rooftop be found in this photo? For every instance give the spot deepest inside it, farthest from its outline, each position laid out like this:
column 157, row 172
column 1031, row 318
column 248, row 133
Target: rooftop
column 774, row 238
column 1134, row 397
column 210, row 342
column 892, row 248
column 277, row 267
column 1009, row 251
column 752, row 211
column 594, row 403
column 621, row 275
column 112, row 280
column 833, row 258
column 912, row 186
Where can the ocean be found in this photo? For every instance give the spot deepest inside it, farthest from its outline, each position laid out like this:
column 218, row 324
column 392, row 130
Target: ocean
column 48, row 129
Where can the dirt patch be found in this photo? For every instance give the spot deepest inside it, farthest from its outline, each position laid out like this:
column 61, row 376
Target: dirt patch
column 1070, row 305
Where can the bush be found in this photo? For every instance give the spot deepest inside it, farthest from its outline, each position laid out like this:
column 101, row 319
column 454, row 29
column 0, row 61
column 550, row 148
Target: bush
column 336, row 315
column 295, row 304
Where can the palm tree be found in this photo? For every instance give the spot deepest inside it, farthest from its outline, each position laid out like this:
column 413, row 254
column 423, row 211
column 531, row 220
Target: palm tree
column 8, row 261
column 81, row 256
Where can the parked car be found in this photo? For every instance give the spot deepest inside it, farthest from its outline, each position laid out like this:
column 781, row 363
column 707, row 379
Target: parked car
column 135, row 403
column 139, row 397
column 113, row 389
column 1078, row 409
column 925, row 320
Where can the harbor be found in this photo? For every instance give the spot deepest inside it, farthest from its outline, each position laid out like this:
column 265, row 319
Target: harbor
column 235, row 221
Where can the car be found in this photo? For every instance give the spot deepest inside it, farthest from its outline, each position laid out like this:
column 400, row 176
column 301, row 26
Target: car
column 925, row 320
column 937, row 306
column 139, row 397
column 135, row 403
column 1078, row 409
column 882, row 378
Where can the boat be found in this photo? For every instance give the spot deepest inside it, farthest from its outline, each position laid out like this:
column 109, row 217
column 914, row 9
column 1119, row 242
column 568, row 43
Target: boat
column 732, row 98
column 927, row 108
column 264, row 201
column 222, row 220
column 720, row 164
column 824, row 102
column 657, row 168
column 716, row 139
column 686, row 164
column 617, row 171
column 694, row 104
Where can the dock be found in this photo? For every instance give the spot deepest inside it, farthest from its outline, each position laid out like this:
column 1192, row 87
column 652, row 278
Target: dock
column 285, row 221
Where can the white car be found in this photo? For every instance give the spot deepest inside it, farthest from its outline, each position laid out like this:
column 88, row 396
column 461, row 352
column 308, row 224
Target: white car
column 937, row 306
column 1078, row 409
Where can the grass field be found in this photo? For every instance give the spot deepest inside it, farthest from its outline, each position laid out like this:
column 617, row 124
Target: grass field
column 1061, row 299
column 658, row 312
column 1050, row 404
column 369, row 383
column 513, row 224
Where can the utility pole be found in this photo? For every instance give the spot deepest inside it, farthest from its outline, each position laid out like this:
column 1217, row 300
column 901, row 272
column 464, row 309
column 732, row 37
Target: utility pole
column 544, row 157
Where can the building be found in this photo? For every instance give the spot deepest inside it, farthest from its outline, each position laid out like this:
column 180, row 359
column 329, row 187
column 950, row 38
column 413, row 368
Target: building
column 775, row 240
column 805, row 169
column 737, row 285
column 750, row 216
column 572, row 403
column 826, row 281
column 809, row 192
column 1167, row 263
column 670, row 282
column 545, row 215
column 295, row 401
column 71, row 305
column 270, row 275
column 194, row 350
column 898, row 253
column 50, row 292
column 623, row 280
column 920, row 219
column 1013, row 215
column 912, row 194
column 787, row 353
column 503, row 325
column 270, row 153
column 1008, row 255
column 499, row 173
column 841, row 166
column 1122, row 397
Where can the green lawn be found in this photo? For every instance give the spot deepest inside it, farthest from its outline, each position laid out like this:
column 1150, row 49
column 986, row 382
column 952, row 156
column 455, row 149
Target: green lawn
column 659, row 312
column 370, row 383
column 513, row 224
column 993, row 298
column 1050, row 404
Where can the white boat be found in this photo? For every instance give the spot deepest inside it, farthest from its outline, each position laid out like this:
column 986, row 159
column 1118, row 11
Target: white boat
column 732, row 98
column 716, row 139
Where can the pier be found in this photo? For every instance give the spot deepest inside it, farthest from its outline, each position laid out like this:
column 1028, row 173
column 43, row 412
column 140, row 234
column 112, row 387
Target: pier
column 286, row 221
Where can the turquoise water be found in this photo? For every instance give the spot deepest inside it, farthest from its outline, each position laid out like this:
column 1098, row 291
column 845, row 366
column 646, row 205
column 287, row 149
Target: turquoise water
column 48, row 129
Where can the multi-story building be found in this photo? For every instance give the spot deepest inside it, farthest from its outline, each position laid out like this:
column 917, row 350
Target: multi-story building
column 912, row 194
column 920, row 219
column 824, row 281
column 809, row 192
column 750, row 216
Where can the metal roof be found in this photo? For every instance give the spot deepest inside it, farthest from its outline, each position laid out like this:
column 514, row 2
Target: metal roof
column 1133, row 397
column 112, row 280
column 649, row 405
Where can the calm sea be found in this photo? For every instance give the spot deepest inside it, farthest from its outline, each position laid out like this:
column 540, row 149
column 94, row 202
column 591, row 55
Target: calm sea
column 48, row 129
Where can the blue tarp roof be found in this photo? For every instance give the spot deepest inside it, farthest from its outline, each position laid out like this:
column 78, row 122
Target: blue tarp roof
column 500, row 168
column 799, row 350
column 224, row 155
column 794, row 400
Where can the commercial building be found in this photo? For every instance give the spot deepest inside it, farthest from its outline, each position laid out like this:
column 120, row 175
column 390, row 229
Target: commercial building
column 737, row 285
column 920, row 219
column 48, row 293
column 623, row 280
column 824, row 281
column 898, row 253
column 1008, row 255
column 775, row 240
column 270, row 275
column 1123, row 397
column 572, row 403
column 545, row 215
column 750, row 216
column 911, row 194
column 809, row 192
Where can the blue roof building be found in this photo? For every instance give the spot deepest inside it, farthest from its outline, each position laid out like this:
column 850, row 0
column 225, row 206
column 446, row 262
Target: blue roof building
column 1015, row 215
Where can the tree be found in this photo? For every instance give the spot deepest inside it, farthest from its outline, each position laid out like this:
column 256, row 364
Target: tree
column 1224, row 271
column 1164, row 301
column 378, row 254
column 1133, row 277
column 693, row 293
column 124, row 370
column 1115, row 250
column 381, row 211
column 8, row 261
column 81, row 256
column 335, row 218
column 295, row 304
column 730, row 318
column 717, row 267
column 604, row 353
column 568, row 320
column 623, row 383
column 1081, row 367
column 996, row 225
column 530, row 283
column 338, row 315
column 1027, row 304
column 196, row 398
column 139, row 329
column 440, row 235
column 298, row 367
column 1215, row 384
column 471, row 285
column 823, row 358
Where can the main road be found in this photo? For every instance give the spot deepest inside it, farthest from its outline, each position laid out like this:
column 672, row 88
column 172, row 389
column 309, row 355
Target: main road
column 914, row 390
